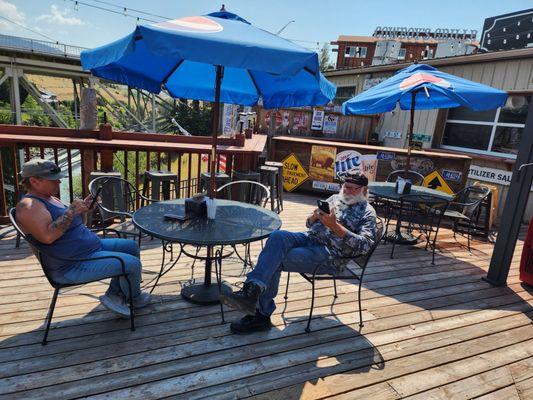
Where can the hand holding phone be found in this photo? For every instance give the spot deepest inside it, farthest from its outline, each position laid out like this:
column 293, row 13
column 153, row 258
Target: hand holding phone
column 323, row 206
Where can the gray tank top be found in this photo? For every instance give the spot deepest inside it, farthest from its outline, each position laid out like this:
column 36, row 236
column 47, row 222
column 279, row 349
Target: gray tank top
column 77, row 242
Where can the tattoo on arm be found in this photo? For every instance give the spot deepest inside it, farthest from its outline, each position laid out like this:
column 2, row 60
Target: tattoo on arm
column 63, row 222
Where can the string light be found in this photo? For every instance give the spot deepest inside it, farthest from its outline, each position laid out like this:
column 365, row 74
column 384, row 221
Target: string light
column 76, row 8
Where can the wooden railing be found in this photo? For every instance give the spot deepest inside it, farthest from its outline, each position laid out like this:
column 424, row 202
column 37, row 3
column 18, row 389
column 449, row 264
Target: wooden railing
column 130, row 153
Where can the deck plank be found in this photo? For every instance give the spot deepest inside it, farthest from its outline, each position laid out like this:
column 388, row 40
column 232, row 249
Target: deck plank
column 431, row 331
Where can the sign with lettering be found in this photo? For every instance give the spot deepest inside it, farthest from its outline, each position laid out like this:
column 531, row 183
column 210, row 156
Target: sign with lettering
column 293, row 173
column 330, row 123
column 385, row 156
column 371, row 82
column 452, row 175
column 436, row 181
column 329, row 186
column 492, row 175
column 422, row 137
column 318, row 120
column 393, row 135
column 403, row 32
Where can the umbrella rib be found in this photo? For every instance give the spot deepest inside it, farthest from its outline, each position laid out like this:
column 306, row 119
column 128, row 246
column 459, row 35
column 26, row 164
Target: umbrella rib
column 164, row 81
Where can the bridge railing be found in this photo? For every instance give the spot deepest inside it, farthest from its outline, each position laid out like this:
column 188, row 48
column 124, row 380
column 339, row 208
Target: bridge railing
column 40, row 46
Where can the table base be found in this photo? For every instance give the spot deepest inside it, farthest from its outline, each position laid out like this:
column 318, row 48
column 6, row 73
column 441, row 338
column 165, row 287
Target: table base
column 199, row 293
column 404, row 238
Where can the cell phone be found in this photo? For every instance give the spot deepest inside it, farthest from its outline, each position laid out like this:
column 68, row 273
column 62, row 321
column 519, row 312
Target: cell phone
column 95, row 197
column 323, row 206
column 177, row 217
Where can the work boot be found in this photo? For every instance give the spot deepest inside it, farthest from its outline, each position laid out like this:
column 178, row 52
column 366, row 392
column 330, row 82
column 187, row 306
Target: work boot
column 244, row 299
column 250, row 324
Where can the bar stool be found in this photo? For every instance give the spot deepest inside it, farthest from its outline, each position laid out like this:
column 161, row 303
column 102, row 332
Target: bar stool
column 220, row 179
column 279, row 181
column 246, row 192
column 160, row 181
column 269, row 177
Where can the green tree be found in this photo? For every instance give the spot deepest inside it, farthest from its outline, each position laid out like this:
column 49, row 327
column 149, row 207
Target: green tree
column 324, row 58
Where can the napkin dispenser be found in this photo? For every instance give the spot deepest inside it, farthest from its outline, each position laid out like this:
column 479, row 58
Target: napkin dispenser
column 403, row 186
column 196, row 206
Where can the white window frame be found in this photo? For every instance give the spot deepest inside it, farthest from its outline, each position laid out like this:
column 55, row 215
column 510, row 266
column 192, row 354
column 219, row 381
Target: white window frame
column 355, row 54
column 495, row 124
column 400, row 57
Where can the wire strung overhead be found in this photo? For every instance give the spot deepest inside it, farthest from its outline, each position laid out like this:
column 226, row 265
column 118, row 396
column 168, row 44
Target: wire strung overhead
column 29, row 29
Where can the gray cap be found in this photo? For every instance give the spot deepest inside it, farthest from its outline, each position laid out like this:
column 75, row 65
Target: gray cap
column 41, row 168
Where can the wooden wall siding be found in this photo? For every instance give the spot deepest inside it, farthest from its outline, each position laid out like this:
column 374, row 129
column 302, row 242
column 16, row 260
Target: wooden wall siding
column 349, row 128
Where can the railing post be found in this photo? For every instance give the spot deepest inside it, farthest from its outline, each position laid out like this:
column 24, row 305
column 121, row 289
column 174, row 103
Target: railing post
column 106, row 133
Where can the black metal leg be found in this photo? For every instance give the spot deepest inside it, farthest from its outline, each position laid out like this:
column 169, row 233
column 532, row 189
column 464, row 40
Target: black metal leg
column 132, row 323
column 218, row 273
column 17, row 244
column 162, row 265
column 335, row 287
column 308, row 328
column 359, row 301
column 469, row 225
column 49, row 316
column 287, row 287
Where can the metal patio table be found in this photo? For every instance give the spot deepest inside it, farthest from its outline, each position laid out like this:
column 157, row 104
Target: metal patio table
column 387, row 190
column 235, row 223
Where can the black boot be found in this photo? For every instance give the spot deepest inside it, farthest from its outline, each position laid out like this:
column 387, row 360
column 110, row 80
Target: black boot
column 251, row 323
column 244, row 299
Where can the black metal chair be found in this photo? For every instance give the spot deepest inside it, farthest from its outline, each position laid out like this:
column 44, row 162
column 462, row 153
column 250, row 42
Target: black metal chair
column 38, row 251
column 422, row 213
column 464, row 209
column 345, row 273
column 388, row 208
column 415, row 177
column 119, row 198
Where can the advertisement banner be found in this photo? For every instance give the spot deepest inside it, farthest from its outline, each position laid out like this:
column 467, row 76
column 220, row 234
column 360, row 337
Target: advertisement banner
column 300, row 121
column 350, row 160
column 330, row 123
column 322, row 164
column 318, row 120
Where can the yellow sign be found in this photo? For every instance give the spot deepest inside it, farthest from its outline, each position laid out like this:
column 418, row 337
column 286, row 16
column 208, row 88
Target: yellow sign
column 436, row 181
column 293, row 173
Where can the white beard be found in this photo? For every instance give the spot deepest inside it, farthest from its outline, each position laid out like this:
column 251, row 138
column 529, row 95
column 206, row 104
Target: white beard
column 350, row 199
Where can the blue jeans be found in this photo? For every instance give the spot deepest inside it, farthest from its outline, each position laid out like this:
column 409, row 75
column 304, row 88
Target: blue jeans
column 285, row 251
column 88, row 271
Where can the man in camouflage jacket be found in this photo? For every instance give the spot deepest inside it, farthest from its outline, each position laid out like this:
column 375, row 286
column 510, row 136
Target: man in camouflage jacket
column 348, row 230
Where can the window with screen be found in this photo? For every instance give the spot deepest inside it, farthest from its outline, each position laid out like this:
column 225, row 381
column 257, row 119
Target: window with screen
column 355, row 52
column 494, row 132
column 344, row 93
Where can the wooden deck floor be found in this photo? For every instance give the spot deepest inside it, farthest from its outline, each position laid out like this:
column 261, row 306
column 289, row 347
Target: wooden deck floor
column 430, row 332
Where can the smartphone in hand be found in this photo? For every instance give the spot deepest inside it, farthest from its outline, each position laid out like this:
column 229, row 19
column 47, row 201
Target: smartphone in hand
column 323, row 206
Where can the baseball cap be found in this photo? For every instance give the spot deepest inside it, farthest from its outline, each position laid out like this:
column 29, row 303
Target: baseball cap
column 41, row 168
column 357, row 178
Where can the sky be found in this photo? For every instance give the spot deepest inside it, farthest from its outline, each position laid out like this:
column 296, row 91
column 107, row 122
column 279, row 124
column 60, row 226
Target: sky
column 315, row 21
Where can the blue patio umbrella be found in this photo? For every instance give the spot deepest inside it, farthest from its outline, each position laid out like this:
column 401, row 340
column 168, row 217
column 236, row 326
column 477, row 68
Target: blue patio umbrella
column 423, row 87
column 219, row 57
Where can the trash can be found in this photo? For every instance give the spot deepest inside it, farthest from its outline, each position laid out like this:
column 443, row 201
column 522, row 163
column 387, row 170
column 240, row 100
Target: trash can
column 526, row 262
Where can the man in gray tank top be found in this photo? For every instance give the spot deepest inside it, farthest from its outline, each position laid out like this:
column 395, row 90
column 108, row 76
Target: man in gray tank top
column 61, row 230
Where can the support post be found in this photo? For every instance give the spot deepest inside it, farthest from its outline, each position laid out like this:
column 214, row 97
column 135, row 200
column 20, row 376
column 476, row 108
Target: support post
column 515, row 206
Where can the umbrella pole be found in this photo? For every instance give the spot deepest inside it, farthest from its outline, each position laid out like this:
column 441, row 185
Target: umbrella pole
column 410, row 131
column 216, row 118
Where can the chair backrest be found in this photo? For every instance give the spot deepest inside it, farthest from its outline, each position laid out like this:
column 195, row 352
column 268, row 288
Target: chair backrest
column 118, row 196
column 468, row 200
column 34, row 244
column 415, row 177
column 248, row 192
column 424, row 210
column 362, row 260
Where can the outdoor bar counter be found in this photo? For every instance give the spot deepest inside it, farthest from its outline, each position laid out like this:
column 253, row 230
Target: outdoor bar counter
column 321, row 160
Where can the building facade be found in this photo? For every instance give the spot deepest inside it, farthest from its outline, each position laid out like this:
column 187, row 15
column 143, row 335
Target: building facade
column 490, row 138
